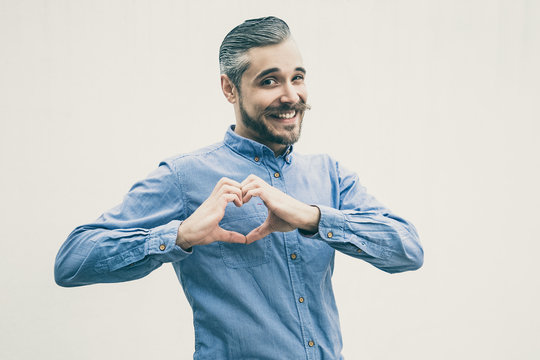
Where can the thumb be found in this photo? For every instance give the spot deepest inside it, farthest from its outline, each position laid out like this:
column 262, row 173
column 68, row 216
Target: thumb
column 258, row 233
column 230, row 236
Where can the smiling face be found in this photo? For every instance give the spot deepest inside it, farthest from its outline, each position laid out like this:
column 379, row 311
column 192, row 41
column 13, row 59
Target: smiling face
column 272, row 99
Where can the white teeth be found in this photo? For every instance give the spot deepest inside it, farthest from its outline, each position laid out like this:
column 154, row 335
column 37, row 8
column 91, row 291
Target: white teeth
column 287, row 115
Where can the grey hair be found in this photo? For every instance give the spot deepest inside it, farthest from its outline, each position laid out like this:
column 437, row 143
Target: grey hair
column 265, row 31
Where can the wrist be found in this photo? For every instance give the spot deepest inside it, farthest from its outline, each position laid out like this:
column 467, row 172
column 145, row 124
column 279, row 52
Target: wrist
column 181, row 240
column 313, row 215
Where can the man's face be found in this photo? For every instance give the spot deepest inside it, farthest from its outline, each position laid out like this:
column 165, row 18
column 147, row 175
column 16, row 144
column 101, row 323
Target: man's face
column 273, row 96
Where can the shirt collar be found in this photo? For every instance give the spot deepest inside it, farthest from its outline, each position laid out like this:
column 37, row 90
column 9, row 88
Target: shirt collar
column 251, row 149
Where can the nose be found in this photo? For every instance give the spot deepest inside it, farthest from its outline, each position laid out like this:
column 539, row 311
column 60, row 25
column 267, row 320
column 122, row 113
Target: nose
column 290, row 94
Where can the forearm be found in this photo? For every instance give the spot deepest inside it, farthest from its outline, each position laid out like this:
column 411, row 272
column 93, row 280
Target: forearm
column 128, row 241
column 98, row 255
column 386, row 241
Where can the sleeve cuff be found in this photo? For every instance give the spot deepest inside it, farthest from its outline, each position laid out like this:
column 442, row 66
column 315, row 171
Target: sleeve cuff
column 331, row 226
column 332, row 230
column 162, row 246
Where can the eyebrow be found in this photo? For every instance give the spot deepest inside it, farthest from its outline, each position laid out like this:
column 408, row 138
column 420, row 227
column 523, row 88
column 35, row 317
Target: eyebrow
column 272, row 70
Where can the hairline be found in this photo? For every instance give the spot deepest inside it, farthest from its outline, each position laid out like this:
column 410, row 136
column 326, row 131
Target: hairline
column 245, row 64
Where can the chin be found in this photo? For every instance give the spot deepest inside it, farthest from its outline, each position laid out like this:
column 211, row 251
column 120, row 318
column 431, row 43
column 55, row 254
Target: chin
column 288, row 136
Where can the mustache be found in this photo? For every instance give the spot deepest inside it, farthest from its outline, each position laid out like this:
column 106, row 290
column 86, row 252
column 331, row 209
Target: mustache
column 298, row 107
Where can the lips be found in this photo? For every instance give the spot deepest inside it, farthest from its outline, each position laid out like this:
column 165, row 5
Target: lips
column 284, row 115
column 287, row 113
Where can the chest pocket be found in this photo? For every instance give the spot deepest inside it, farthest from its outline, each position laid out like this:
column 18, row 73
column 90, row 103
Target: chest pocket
column 243, row 221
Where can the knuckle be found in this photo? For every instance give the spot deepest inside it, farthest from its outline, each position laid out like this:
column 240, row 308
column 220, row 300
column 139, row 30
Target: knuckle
column 223, row 180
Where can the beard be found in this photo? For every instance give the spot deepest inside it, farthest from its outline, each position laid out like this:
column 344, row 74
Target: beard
column 265, row 133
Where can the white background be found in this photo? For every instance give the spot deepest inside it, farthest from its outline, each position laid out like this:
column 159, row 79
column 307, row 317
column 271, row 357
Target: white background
column 433, row 103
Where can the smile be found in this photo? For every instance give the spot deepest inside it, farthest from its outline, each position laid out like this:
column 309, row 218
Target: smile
column 285, row 115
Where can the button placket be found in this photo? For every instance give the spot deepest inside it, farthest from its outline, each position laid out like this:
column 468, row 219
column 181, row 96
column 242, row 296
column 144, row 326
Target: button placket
column 297, row 282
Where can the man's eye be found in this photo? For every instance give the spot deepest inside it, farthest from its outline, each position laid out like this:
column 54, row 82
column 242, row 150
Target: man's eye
column 267, row 82
column 298, row 77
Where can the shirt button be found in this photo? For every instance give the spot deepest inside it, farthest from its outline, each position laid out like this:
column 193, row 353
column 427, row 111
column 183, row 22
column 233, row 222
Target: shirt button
column 256, row 159
column 301, row 299
column 162, row 247
column 330, row 234
column 311, row 343
column 276, row 175
column 293, row 256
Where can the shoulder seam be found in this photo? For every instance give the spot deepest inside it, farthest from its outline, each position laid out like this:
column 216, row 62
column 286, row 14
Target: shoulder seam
column 195, row 153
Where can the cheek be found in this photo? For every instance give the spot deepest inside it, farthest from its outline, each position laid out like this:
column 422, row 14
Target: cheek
column 260, row 100
column 303, row 94
column 263, row 102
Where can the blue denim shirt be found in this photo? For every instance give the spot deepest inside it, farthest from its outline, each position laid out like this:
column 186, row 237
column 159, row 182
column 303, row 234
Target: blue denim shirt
column 271, row 299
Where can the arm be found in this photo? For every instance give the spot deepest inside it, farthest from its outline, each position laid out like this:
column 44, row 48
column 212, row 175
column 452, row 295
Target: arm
column 130, row 240
column 365, row 229
column 145, row 231
column 361, row 227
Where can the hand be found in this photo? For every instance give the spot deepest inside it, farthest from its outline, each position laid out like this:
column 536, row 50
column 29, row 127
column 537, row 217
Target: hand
column 284, row 212
column 202, row 227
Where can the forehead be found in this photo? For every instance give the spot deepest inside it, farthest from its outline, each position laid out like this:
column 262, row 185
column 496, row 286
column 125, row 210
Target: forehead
column 284, row 56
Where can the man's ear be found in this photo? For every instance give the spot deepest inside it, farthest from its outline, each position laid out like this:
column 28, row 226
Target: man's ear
column 229, row 90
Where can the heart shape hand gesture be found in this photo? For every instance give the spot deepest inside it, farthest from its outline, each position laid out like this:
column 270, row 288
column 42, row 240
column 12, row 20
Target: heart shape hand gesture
column 284, row 213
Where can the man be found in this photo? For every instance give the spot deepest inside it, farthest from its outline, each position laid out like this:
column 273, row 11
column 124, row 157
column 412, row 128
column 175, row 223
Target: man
column 250, row 226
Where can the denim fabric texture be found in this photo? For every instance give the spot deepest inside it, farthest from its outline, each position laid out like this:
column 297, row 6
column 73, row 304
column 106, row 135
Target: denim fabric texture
column 271, row 299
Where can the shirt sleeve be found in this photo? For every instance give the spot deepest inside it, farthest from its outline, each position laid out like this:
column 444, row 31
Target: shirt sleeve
column 365, row 229
column 130, row 240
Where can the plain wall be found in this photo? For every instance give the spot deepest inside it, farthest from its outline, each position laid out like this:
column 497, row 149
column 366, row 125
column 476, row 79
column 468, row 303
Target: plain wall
column 433, row 103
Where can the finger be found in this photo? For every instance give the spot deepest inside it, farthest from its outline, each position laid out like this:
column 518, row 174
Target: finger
column 225, row 181
column 251, row 193
column 228, row 189
column 249, row 186
column 230, row 236
column 228, row 181
column 258, row 233
column 232, row 198
column 251, row 178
